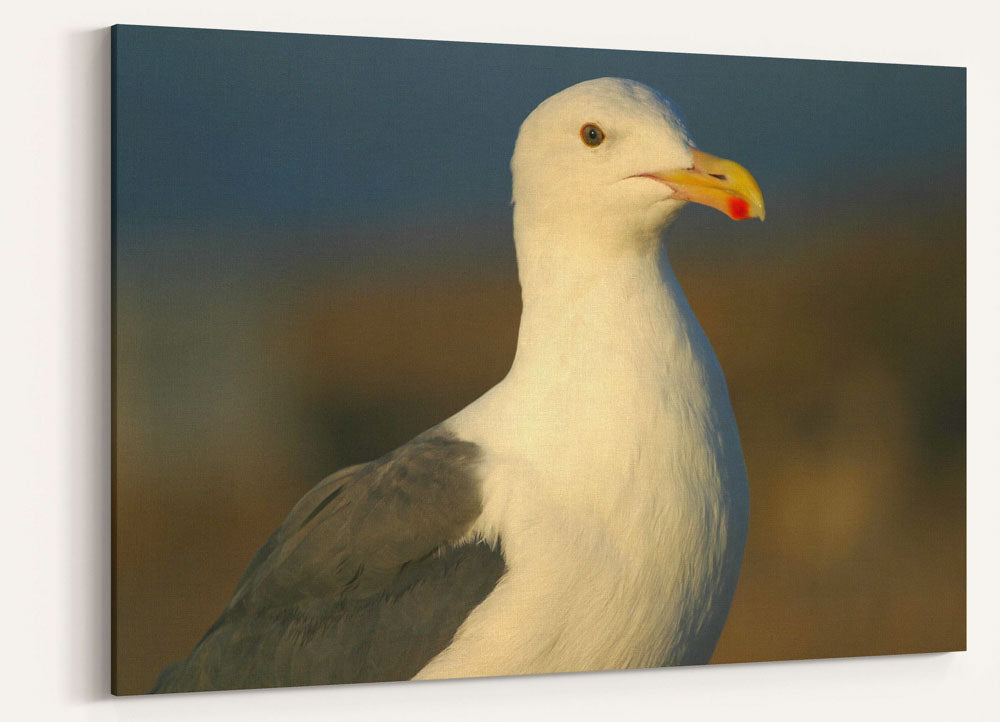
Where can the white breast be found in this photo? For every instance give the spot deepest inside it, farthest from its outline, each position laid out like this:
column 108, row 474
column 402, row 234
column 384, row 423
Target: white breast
column 614, row 480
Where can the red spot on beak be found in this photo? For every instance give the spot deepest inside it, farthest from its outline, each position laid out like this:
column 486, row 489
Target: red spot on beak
column 739, row 209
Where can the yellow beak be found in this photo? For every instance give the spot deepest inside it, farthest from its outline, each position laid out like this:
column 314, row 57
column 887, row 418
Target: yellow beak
column 719, row 183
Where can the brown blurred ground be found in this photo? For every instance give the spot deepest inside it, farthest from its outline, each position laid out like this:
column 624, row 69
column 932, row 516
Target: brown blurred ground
column 845, row 362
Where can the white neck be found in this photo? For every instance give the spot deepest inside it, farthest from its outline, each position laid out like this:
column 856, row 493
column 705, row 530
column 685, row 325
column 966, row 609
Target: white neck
column 612, row 475
column 586, row 314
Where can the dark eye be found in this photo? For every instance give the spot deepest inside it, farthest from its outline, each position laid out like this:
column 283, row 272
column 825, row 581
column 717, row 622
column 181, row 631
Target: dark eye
column 592, row 135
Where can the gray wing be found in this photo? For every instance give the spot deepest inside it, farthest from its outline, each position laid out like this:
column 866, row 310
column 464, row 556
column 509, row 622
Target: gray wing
column 360, row 583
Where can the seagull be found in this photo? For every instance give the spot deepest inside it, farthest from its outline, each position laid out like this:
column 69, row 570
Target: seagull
column 589, row 512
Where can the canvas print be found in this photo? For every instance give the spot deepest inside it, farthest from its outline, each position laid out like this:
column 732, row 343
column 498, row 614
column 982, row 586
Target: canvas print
column 437, row 360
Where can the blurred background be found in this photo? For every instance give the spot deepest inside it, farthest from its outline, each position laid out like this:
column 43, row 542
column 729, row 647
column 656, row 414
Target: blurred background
column 313, row 263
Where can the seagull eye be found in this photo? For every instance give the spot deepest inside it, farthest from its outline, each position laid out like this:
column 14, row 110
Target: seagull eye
column 592, row 135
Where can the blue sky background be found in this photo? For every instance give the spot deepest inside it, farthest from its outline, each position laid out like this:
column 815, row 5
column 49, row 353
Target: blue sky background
column 255, row 146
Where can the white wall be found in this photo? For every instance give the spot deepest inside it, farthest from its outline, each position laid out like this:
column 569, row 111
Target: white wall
column 54, row 361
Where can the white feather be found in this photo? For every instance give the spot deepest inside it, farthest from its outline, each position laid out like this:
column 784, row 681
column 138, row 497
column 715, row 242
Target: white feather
column 612, row 474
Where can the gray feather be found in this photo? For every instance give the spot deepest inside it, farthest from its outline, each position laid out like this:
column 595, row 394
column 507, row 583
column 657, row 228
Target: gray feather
column 360, row 583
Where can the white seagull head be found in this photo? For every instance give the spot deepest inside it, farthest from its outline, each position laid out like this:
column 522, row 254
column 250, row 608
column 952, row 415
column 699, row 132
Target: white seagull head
column 608, row 163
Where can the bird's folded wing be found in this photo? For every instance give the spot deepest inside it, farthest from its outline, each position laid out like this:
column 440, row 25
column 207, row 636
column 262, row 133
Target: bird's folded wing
column 360, row 583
